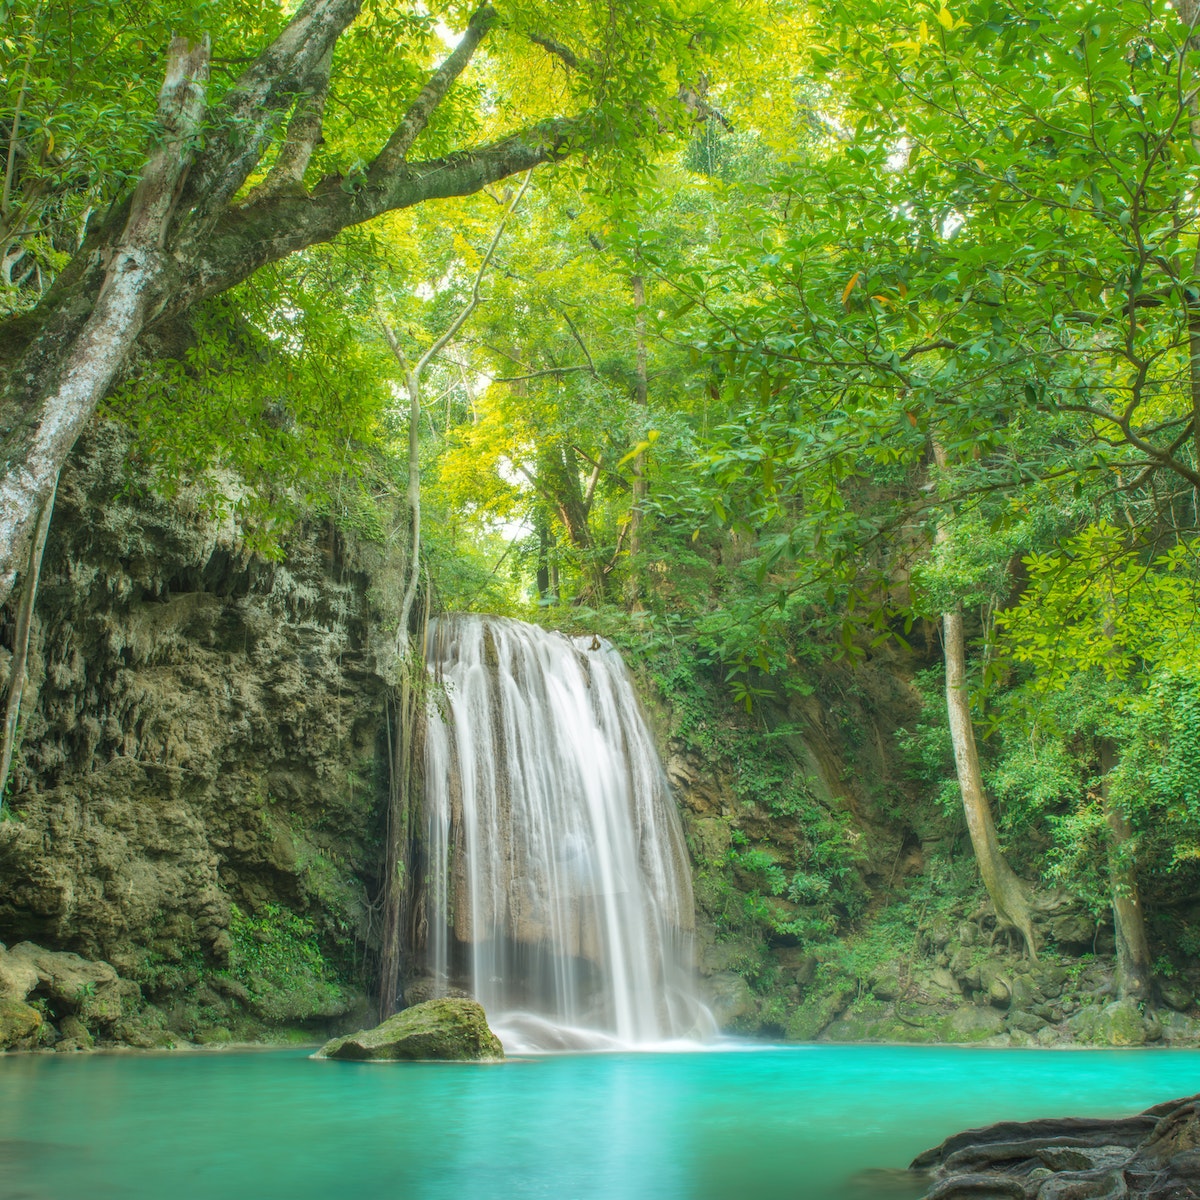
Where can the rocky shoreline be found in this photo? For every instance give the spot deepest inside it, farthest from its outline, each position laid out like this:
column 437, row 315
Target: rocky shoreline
column 1152, row 1156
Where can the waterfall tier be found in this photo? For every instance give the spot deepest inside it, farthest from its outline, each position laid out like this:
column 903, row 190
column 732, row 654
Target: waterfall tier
column 557, row 889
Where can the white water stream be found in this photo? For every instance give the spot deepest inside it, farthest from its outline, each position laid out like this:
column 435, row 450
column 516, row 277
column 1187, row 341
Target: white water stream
column 558, row 892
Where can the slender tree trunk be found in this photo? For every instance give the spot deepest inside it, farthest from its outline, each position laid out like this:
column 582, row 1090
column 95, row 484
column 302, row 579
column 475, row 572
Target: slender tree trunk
column 408, row 741
column 558, row 470
column 1007, row 892
column 543, row 559
column 641, row 399
column 1135, row 972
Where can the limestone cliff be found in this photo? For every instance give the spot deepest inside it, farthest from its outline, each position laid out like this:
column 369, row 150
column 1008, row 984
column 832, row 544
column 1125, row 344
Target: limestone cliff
column 194, row 801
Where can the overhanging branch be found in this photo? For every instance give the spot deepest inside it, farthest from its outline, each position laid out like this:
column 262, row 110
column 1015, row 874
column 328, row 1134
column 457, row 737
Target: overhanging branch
column 392, row 157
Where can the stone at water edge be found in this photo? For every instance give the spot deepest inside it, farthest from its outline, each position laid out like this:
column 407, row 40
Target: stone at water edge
column 18, row 1021
column 451, row 1028
column 1153, row 1156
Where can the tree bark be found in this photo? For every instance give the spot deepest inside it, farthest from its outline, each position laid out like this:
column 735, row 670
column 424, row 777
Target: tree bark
column 20, row 655
column 1135, row 970
column 543, row 559
column 1005, row 889
column 95, row 346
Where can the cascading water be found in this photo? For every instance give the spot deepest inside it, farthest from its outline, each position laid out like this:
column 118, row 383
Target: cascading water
column 557, row 889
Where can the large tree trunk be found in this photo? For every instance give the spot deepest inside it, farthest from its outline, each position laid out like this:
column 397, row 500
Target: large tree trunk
column 1006, row 890
column 1135, row 971
column 88, row 345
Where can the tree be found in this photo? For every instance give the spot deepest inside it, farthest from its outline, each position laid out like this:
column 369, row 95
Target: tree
column 409, row 695
column 1103, row 633
column 988, row 247
column 192, row 226
column 1007, row 892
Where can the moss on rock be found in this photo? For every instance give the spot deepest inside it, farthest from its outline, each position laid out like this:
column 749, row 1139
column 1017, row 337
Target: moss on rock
column 451, row 1028
column 18, row 1021
column 972, row 1023
column 1118, row 1024
column 817, row 1010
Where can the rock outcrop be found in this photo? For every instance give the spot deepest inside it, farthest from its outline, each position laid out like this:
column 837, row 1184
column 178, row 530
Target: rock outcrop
column 453, row 1029
column 195, row 800
column 1153, row 1156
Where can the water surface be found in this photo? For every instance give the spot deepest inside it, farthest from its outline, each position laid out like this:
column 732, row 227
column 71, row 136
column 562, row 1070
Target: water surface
column 759, row 1124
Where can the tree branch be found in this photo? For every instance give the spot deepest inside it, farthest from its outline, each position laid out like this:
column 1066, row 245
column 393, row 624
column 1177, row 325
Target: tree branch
column 458, row 321
column 249, row 113
column 393, row 156
column 248, row 238
column 589, row 493
column 567, row 55
column 539, row 374
column 582, row 344
column 303, row 137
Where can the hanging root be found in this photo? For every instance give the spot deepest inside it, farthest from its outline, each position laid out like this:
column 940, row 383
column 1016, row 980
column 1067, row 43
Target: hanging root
column 16, row 676
column 406, row 743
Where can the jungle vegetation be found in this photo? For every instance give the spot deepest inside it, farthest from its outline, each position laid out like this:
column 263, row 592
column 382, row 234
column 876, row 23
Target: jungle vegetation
column 771, row 330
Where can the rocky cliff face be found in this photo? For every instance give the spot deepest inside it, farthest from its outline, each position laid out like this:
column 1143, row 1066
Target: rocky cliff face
column 795, row 818
column 195, row 793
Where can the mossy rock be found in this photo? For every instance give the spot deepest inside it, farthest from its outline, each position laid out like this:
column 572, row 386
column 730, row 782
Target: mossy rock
column 873, row 1021
column 816, row 1011
column 1118, row 1024
column 972, row 1023
column 451, row 1029
column 18, row 1021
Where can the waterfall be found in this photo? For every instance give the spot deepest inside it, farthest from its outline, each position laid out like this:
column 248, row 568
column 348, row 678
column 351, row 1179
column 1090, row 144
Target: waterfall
column 556, row 883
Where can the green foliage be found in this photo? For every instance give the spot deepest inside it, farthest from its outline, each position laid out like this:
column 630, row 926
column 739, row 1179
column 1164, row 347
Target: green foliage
column 254, row 418
column 276, row 958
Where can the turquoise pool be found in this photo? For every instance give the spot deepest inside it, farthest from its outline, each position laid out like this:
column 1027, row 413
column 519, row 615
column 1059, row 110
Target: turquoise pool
column 751, row 1124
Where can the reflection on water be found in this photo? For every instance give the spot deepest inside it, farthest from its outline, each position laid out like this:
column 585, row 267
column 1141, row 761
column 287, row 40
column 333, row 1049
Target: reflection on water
column 801, row 1124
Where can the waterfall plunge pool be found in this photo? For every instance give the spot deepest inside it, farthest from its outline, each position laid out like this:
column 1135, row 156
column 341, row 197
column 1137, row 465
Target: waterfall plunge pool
column 758, row 1123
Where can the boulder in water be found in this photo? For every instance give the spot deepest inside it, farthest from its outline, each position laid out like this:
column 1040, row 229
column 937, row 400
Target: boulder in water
column 451, row 1028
